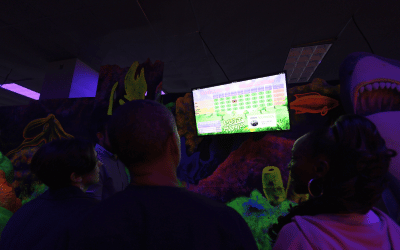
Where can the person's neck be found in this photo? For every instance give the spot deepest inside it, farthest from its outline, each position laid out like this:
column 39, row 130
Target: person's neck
column 155, row 179
column 368, row 218
column 81, row 186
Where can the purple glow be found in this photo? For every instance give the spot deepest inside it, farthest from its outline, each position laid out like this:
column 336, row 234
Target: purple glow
column 84, row 81
column 21, row 90
column 162, row 93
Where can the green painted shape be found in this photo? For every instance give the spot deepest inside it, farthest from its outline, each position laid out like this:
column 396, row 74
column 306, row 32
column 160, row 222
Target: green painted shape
column 5, row 215
column 128, row 174
column 7, row 167
column 39, row 189
column 258, row 223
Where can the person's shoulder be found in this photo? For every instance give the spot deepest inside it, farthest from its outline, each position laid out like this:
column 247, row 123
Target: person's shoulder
column 290, row 229
column 210, row 207
column 204, row 199
column 35, row 203
column 132, row 196
column 87, row 201
column 207, row 205
column 75, row 203
column 389, row 221
column 291, row 237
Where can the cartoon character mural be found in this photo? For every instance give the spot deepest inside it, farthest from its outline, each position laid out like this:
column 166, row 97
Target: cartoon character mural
column 370, row 86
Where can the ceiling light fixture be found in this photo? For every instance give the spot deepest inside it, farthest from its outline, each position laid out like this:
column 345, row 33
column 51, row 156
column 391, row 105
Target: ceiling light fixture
column 303, row 61
column 21, row 90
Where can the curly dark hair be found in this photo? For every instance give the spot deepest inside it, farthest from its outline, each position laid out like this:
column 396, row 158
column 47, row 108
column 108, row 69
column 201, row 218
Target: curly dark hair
column 359, row 162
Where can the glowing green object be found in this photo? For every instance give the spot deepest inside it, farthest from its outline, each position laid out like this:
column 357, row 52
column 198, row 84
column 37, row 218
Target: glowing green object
column 259, row 214
column 5, row 215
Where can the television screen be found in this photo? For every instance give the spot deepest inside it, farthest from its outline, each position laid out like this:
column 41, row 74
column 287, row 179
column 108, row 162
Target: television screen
column 257, row 104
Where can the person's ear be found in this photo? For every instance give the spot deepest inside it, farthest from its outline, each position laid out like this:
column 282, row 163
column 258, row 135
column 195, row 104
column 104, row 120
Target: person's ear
column 174, row 145
column 75, row 178
column 322, row 168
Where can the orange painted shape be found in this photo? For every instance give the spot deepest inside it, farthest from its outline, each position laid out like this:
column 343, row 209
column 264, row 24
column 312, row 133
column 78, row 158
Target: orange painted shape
column 306, row 94
column 313, row 102
column 8, row 198
column 324, row 111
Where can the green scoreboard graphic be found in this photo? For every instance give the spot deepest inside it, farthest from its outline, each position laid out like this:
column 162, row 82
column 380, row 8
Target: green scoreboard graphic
column 249, row 106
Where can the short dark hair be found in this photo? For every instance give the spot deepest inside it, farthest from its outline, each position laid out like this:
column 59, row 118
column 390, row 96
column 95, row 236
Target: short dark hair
column 358, row 174
column 55, row 161
column 138, row 131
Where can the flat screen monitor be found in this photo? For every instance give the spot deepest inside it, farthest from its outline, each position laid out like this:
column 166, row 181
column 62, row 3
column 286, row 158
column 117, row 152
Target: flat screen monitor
column 251, row 105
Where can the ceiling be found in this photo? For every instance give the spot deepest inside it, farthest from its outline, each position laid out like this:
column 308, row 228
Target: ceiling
column 247, row 38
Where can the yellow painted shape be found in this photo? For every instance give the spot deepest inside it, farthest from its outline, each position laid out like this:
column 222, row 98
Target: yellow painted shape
column 135, row 88
column 273, row 185
column 110, row 105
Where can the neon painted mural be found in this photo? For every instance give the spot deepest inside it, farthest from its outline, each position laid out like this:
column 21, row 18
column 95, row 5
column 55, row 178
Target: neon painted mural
column 313, row 103
column 135, row 88
column 51, row 130
column 249, row 175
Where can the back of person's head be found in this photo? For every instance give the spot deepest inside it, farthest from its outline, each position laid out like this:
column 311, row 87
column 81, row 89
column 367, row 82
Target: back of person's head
column 99, row 120
column 100, row 126
column 55, row 161
column 139, row 130
column 358, row 169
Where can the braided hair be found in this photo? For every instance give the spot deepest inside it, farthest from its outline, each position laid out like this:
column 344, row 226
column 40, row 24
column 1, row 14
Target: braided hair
column 358, row 174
